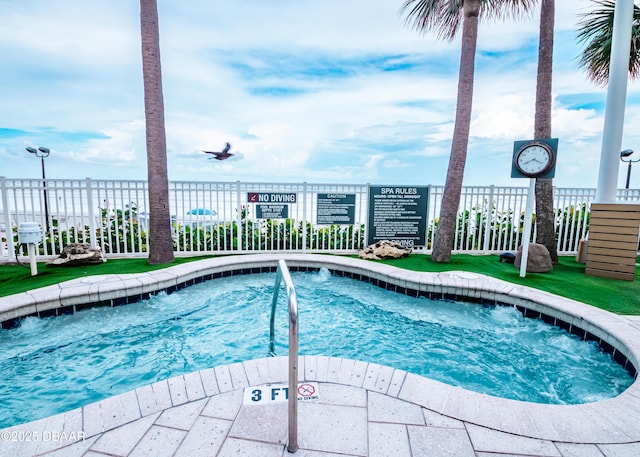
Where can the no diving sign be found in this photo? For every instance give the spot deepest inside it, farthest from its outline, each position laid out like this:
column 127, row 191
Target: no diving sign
column 272, row 197
column 278, row 393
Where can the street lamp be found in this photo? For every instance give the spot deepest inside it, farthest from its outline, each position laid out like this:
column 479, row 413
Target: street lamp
column 624, row 155
column 43, row 153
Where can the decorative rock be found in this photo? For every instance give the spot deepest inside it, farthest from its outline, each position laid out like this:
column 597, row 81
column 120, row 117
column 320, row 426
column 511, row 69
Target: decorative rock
column 384, row 249
column 78, row 254
column 538, row 259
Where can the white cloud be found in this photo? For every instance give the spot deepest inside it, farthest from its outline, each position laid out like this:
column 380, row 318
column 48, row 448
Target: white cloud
column 304, row 90
column 119, row 149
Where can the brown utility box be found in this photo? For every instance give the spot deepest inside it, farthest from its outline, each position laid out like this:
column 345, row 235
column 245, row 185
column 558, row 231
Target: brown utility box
column 613, row 240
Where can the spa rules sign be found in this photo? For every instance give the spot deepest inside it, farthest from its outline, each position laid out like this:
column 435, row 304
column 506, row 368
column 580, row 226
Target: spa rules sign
column 398, row 214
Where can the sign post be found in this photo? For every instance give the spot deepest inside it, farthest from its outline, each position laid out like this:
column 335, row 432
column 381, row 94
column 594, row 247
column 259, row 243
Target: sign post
column 528, row 219
column 532, row 159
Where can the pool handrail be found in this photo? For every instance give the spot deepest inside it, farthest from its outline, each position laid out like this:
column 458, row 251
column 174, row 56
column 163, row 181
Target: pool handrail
column 282, row 274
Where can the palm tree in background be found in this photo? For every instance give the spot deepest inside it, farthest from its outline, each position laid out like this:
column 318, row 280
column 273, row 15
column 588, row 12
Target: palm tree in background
column 596, row 32
column 160, row 240
column 445, row 18
column 545, row 215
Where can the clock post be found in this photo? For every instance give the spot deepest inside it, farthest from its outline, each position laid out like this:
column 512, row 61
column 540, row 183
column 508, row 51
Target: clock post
column 532, row 159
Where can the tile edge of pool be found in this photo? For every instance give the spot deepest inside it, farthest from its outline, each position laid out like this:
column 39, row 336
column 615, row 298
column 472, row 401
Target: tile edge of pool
column 610, row 421
column 564, row 423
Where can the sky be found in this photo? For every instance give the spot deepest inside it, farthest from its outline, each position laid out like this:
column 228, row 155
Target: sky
column 318, row 91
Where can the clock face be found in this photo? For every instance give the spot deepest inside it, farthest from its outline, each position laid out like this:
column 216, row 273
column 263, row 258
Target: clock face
column 534, row 159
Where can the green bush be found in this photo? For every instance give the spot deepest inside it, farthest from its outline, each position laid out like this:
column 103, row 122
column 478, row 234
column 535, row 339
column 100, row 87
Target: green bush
column 119, row 231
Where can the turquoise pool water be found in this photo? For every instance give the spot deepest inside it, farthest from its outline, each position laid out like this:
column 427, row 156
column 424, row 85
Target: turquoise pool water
column 55, row 364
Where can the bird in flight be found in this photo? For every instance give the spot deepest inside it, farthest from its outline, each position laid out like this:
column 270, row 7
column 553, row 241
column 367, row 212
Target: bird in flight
column 220, row 155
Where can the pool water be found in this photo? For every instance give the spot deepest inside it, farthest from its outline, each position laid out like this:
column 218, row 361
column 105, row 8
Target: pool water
column 53, row 365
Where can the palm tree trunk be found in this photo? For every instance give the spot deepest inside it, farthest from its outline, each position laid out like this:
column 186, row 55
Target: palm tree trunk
column 443, row 243
column 160, row 240
column 545, row 216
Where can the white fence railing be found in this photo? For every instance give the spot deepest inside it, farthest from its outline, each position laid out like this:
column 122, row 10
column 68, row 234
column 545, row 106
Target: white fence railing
column 219, row 218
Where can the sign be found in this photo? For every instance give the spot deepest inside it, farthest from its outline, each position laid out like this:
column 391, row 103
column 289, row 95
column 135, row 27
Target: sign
column 398, row 214
column 278, row 393
column 307, row 391
column 336, row 209
column 272, row 211
column 269, row 197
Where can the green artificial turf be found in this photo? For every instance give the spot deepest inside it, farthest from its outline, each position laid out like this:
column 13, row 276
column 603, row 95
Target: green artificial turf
column 16, row 278
column 567, row 279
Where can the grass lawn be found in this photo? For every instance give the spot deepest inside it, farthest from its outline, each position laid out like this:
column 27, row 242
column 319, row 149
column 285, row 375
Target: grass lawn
column 567, row 279
column 15, row 278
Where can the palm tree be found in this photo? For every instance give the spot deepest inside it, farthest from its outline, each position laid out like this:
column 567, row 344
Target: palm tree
column 445, row 18
column 160, row 240
column 596, row 32
column 545, row 226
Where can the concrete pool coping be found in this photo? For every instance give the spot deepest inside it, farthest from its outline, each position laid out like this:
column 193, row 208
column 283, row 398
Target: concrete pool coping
column 607, row 427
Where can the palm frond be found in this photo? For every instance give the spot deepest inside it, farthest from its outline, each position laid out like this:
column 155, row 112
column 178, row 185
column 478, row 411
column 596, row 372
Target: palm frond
column 596, row 32
column 440, row 16
column 444, row 17
column 508, row 9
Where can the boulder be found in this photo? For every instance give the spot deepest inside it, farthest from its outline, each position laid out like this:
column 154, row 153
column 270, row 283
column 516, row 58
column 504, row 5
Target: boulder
column 384, row 249
column 538, row 259
column 76, row 254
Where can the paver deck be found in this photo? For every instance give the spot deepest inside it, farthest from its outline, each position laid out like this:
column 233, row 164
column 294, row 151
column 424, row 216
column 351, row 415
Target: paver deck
column 363, row 409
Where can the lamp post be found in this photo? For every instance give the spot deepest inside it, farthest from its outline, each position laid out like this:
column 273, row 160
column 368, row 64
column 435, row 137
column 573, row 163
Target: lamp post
column 624, row 155
column 43, row 153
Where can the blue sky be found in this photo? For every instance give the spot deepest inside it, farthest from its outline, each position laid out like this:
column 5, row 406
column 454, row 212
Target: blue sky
column 305, row 90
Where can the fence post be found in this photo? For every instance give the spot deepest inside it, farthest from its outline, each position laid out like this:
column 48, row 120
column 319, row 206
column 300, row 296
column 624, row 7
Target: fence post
column 8, row 227
column 430, row 209
column 304, row 217
column 366, row 214
column 93, row 232
column 238, row 216
column 487, row 226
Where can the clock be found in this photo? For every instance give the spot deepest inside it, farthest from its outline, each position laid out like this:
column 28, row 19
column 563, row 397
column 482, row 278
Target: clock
column 534, row 159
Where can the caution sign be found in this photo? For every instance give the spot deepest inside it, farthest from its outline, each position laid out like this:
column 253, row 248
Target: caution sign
column 278, row 393
column 336, row 209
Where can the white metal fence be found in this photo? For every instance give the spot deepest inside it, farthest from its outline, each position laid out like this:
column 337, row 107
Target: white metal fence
column 219, row 218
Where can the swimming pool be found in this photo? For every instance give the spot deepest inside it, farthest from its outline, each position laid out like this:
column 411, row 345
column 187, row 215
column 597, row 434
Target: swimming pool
column 52, row 365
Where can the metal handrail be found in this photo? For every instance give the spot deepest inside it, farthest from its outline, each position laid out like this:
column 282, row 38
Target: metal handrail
column 282, row 273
